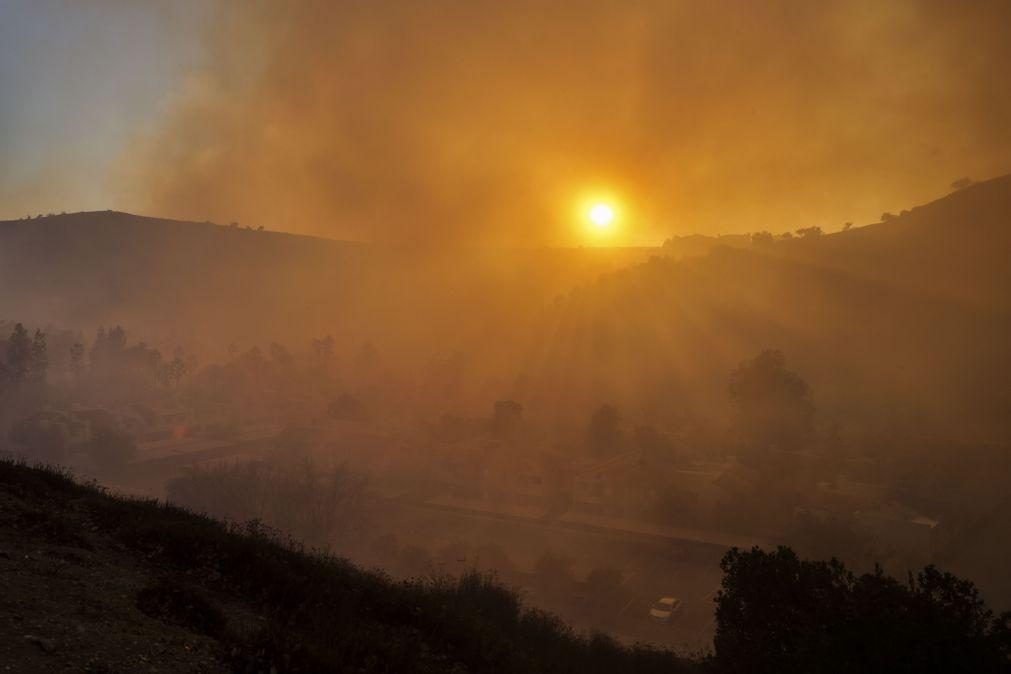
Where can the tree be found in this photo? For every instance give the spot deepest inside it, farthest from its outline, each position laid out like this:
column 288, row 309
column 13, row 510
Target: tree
column 762, row 239
column 107, row 349
column 117, row 339
column 778, row 613
column 281, row 357
column 772, row 404
column 809, row 232
column 39, row 358
column 323, row 348
column 77, row 359
column 98, row 347
column 177, row 369
column 19, row 354
column 604, row 432
column 961, row 183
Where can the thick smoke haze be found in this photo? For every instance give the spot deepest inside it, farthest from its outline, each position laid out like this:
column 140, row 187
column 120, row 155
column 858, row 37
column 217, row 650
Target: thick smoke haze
column 596, row 328
column 486, row 122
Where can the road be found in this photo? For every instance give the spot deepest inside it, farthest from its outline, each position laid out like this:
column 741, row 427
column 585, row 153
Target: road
column 653, row 564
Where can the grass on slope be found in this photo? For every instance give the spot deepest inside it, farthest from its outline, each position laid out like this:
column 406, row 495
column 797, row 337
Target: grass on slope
column 319, row 613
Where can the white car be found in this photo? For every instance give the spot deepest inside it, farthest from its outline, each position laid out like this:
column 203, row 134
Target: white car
column 665, row 609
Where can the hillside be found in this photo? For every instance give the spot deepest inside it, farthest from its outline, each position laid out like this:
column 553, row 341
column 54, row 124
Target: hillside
column 95, row 583
column 900, row 322
column 955, row 247
column 903, row 323
column 203, row 285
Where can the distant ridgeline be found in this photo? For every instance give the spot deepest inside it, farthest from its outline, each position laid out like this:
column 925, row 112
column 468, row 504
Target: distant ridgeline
column 907, row 319
column 205, row 285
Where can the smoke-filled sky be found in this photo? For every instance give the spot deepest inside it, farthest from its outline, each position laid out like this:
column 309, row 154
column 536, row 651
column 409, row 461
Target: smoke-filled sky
column 489, row 122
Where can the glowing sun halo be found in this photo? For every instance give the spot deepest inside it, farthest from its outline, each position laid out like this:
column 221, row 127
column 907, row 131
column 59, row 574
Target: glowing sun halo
column 601, row 216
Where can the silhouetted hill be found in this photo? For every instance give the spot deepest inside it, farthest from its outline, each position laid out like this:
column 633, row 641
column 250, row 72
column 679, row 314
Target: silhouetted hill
column 205, row 285
column 901, row 324
column 956, row 247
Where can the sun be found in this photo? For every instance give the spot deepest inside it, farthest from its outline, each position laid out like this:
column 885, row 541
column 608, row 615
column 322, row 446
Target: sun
column 601, row 215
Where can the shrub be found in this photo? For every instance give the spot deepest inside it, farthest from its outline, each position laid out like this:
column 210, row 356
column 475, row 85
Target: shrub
column 778, row 613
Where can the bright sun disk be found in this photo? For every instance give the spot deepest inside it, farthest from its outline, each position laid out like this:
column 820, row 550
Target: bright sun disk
column 601, row 215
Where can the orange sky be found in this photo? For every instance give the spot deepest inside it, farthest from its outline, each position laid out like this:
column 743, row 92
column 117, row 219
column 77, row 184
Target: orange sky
column 485, row 122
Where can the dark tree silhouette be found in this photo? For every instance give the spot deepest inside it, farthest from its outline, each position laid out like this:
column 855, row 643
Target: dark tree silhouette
column 39, row 358
column 778, row 613
column 281, row 357
column 108, row 347
column 323, row 348
column 773, row 404
column 77, row 359
column 176, row 369
column 19, row 355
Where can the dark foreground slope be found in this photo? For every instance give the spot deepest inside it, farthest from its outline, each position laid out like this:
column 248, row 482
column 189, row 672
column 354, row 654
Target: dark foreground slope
column 96, row 583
